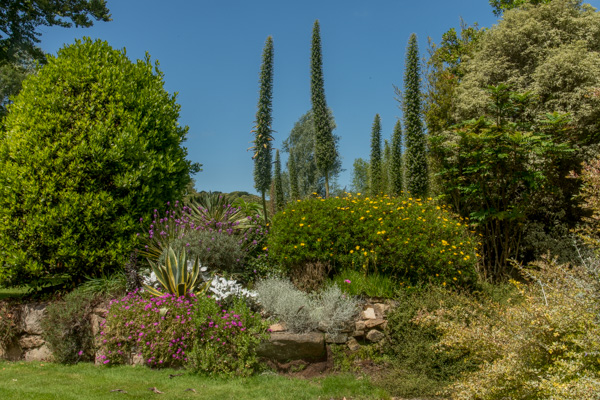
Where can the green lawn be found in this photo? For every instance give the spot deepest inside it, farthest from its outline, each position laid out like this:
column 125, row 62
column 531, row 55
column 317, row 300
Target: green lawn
column 35, row 380
column 6, row 293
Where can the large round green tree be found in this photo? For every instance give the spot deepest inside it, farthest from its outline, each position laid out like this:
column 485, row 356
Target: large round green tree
column 90, row 146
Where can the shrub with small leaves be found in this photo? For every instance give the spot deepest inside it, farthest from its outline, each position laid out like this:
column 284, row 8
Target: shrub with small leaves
column 413, row 240
column 226, row 340
column 545, row 347
column 67, row 327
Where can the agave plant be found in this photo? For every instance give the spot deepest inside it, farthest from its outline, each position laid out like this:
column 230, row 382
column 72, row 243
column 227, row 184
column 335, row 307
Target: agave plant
column 175, row 276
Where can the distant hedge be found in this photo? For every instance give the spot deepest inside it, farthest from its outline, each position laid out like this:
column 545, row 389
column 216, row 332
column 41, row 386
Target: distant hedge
column 89, row 146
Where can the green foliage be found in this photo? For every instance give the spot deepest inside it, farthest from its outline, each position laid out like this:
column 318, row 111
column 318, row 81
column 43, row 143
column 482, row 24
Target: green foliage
column 8, row 326
column 175, row 277
column 396, row 172
column 12, row 75
column 226, row 342
column 375, row 186
column 263, row 130
column 445, row 70
column 67, row 327
column 417, row 179
column 329, row 309
column 159, row 329
column 412, row 240
column 360, row 176
column 545, row 346
column 19, row 21
column 551, row 50
column 325, row 144
column 76, row 178
column 106, row 286
column 279, row 196
column 418, row 368
column 356, row 283
column 218, row 251
column 494, row 170
column 302, row 140
column 293, row 174
column 499, row 6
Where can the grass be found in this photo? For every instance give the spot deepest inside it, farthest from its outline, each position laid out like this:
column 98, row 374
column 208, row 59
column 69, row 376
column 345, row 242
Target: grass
column 372, row 285
column 39, row 381
column 6, row 293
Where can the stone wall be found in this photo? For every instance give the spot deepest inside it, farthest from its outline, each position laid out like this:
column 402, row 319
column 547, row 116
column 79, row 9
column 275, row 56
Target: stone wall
column 28, row 343
column 368, row 327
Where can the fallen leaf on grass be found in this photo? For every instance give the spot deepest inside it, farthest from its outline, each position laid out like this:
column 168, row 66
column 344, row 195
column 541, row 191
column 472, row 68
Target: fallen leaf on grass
column 190, row 390
column 155, row 390
column 119, row 390
column 171, row 376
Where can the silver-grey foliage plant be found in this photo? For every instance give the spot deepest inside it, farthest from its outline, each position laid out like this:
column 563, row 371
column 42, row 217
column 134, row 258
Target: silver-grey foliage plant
column 329, row 310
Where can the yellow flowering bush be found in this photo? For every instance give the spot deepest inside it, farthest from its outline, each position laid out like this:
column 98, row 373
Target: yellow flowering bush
column 545, row 346
column 410, row 239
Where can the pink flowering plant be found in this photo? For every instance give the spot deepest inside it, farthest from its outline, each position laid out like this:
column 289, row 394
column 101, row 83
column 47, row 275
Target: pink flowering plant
column 160, row 329
column 226, row 340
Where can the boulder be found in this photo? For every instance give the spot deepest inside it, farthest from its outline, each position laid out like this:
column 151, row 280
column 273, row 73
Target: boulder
column 375, row 336
column 369, row 313
column 339, row 338
column 280, row 327
column 31, row 341
column 284, row 346
column 360, row 326
column 353, row 345
column 372, row 323
column 32, row 317
column 40, row 354
column 381, row 309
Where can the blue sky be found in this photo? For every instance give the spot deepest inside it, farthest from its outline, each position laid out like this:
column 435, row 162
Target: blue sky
column 210, row 53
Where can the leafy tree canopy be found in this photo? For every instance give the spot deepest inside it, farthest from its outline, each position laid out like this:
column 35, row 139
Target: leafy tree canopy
column 89, row 146
column 302, row 141
column 20, row 19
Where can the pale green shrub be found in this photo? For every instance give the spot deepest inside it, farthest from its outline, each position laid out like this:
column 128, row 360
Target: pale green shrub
column 544, row 347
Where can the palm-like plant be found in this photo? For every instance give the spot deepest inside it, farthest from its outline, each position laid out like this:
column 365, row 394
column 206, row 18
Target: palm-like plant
column 175, row 276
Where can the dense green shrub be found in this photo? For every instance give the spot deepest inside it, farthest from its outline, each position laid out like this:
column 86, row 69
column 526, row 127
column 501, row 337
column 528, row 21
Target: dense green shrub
column 90, row 145
column 67, row 327
column 226, row 340
column 413, row 240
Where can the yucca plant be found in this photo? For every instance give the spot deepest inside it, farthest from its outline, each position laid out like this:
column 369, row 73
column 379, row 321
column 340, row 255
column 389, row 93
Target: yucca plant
column 175, row 277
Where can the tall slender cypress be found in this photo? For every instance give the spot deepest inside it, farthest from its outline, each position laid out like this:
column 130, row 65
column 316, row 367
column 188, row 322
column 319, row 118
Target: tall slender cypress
column 386, row 162
column 396, row 168
column 263, row 131
column 279, row 197
column 293, row 172
column 376, row 157
column 417, row 179
column 325, row 151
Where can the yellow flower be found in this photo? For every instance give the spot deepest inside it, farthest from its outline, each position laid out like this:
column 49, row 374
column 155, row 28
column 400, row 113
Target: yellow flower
column 357, row 247
column 301, row 244
column 351, row 251
column 319, row 239
column 365, row 253
column 301, row 224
